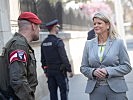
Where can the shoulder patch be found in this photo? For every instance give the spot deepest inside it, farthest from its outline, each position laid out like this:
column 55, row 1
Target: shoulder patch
column 18, row 55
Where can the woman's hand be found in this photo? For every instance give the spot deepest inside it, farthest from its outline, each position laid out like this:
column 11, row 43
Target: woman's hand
column 100, row 73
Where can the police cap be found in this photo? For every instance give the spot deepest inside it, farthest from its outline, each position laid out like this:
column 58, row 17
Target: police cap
column 29, row 16
column 51, row 23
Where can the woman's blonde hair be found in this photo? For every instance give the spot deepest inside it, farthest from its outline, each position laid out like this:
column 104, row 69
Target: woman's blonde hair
column 103, row 16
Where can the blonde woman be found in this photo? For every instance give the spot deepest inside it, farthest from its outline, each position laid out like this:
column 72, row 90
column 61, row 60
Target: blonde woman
column 105, row 61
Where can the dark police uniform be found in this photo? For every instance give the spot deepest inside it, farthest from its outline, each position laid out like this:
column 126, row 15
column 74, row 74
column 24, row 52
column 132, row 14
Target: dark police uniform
column 91, row 34
column 22, row 68
column 53, row 55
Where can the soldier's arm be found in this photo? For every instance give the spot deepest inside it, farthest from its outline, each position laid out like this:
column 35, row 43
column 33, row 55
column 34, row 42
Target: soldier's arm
column 18, row 57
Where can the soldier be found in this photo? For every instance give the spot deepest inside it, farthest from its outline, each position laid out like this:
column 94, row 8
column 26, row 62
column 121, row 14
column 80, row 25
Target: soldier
column 22, row 62
column 55, row 62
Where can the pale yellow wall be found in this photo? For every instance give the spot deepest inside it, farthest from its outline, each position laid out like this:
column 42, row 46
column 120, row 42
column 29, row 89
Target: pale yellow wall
column 14, row 13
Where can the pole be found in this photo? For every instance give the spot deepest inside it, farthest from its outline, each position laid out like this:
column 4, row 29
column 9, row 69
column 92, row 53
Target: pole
column 5, row 31
column 119, row 18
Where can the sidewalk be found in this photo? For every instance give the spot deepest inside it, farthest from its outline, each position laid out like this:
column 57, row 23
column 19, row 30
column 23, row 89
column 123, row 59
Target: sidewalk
column 77, row 88
column 78, row 84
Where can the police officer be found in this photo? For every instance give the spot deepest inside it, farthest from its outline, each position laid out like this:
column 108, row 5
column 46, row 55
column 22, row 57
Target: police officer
column 91, row 34
column 55, row 62
column 22, row 62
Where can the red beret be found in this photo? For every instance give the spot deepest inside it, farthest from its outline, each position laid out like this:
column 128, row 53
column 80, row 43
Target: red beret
column 30, row 17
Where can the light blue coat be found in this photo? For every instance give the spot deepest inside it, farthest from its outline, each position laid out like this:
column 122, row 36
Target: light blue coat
column 115, row 60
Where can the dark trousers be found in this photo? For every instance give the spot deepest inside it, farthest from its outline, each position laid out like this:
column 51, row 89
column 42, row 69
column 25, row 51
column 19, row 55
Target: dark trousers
column 8, row 96
column 57, row 79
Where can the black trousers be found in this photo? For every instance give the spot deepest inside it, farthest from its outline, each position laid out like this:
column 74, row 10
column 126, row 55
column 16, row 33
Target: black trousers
column 57, row 79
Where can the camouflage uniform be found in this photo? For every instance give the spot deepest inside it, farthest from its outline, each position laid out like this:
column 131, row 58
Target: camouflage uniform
column 22, row 68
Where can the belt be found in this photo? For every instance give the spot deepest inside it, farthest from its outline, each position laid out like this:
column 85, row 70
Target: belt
column 54, row 66
column 101, row 82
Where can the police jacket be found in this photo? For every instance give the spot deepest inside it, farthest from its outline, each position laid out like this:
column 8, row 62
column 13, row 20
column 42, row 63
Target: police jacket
column 22, row 68
column 91, row 34
column 53, row 54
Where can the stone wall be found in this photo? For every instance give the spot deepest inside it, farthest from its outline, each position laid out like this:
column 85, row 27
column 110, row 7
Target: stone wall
column 5, row 32
column 74, row 43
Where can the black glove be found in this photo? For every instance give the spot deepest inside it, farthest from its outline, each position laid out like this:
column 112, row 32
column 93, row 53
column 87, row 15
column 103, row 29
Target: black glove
column 63, row 69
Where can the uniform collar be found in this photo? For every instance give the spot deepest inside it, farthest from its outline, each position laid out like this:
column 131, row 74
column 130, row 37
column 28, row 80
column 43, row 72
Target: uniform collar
column 52, row 35
column 20, row 35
